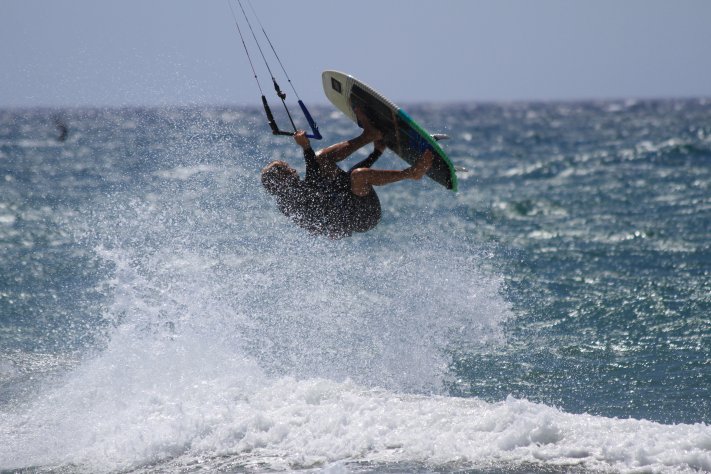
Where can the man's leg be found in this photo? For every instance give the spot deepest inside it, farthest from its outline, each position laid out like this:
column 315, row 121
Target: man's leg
column 329, row 156
column 372, row 158
column 363, row 179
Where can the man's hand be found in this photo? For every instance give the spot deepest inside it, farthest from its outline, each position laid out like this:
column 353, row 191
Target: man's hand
column 302, row 140
column 421, row 166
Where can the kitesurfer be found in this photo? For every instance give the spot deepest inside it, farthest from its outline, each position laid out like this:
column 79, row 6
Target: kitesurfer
column 331, row 201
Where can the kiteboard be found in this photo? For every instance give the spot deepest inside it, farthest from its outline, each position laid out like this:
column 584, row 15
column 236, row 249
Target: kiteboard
column 401, row 133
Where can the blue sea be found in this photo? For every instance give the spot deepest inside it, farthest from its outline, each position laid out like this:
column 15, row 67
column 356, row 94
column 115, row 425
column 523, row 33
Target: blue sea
column 158, row 314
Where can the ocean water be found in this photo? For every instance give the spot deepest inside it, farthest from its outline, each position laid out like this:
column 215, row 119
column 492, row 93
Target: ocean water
column 157, row 313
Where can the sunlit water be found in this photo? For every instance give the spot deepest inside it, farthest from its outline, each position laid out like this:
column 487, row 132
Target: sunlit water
column 158, row 314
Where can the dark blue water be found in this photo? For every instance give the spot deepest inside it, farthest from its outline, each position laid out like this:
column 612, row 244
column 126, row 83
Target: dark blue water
column 604, row 214
column 157, row 312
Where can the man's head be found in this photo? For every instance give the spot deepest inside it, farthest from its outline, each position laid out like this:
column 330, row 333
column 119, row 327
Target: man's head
column 278, row 178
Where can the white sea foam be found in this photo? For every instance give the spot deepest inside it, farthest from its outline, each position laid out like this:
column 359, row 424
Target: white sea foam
column 209, row 368
column 230, row 415
column 232, row 353
column 177, row 388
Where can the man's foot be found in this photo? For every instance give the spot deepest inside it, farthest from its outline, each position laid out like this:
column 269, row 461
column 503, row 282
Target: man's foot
column 422, row 166
column 369, row 130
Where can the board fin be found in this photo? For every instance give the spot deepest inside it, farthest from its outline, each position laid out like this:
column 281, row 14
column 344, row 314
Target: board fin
column 440, row 136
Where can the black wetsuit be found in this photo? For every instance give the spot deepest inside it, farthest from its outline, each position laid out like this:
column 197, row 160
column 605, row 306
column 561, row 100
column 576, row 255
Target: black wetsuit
column 326, row 205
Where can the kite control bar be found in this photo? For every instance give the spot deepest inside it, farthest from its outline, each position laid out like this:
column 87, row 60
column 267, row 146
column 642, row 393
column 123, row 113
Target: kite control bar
column 275, row 128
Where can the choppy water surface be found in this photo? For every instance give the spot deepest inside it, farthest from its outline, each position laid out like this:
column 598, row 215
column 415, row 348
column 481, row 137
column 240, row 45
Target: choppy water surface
column 158, row 314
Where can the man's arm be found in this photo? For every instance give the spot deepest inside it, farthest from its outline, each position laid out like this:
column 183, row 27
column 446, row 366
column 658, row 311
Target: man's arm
column 309, row 154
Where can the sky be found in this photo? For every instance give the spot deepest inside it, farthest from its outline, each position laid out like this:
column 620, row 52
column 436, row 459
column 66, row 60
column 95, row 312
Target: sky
column 79, row 53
